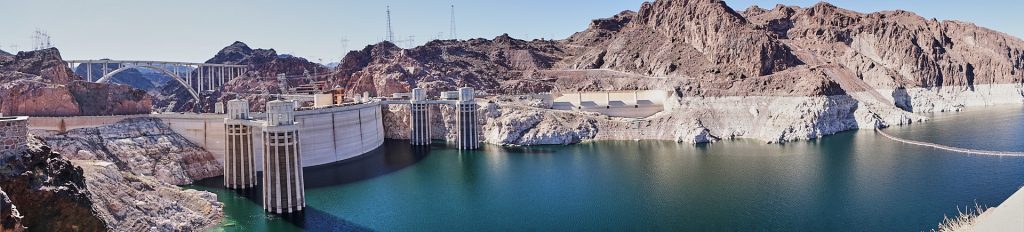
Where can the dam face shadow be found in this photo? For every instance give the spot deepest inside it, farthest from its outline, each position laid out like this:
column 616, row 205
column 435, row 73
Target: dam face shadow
column 390, row 157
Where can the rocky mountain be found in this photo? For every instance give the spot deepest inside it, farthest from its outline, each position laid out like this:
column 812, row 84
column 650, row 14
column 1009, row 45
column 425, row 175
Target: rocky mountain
column 706, row 41
column 502, row 65
column 3, row 53
column 39, row 83
column 260, row 81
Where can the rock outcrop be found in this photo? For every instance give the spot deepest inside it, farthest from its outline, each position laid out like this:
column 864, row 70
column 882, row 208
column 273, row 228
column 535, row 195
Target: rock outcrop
column 132, row 202
column 53, row 193
column 49, row 191
column 39, row 83
column 10, row 218
column 140, row 146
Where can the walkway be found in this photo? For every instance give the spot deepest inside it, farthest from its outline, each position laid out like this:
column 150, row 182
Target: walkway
column 1008, row 216
column 953, row 149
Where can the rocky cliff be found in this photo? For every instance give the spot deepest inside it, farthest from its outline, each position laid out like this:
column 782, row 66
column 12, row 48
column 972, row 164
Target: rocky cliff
column 39, row 83
column 131, row 202
column 140, row 146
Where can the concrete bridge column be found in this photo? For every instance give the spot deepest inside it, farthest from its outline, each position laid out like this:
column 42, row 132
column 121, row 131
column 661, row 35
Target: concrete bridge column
column 283, row 185
column 199, row 78
column 210, row 78
column 88, row 71
column 222, row 79
column 466, row 120
column 239, row 167
column 420, row 118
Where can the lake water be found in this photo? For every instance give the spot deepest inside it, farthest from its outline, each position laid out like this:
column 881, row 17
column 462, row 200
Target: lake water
column 852, row 181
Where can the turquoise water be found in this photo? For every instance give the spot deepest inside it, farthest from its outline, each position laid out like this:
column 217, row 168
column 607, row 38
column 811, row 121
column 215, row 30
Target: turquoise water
column 852, row 181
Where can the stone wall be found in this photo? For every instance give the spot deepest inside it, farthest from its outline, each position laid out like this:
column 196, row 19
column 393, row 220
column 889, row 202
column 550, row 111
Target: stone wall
column 13, row 135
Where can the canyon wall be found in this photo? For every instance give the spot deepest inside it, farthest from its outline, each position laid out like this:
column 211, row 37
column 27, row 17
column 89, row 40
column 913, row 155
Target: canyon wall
column 141, row 146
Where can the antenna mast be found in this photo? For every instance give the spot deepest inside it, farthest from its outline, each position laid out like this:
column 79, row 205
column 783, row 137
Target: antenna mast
column 453, row 34
column 391, row 34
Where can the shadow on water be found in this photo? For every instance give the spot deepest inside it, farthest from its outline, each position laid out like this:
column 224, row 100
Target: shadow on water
column 392, row 156
column 313, row 219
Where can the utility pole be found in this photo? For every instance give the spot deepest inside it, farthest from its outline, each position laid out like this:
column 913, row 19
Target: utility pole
column 391, row 34
column 454, row 35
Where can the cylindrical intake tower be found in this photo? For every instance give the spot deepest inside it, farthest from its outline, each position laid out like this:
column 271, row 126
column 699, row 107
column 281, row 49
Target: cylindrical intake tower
column 239, row 167
column 283, row 186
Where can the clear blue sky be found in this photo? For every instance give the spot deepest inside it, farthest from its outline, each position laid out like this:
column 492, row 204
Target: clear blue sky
column 193, row 30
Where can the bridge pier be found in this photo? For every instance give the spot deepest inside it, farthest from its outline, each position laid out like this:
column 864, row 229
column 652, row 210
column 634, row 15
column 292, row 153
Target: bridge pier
column 283, row 186
column 239, row 167
column 466, row 120
column 419, row 119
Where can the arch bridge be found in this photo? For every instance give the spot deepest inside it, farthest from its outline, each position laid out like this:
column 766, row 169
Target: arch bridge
column 197, row 77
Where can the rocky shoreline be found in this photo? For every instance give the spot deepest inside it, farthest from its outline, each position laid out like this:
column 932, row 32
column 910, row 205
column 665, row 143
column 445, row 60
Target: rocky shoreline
column 691, row 119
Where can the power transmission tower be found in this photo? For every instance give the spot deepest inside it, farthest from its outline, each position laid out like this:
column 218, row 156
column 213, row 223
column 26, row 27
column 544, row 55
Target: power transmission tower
column 391, row 34
column 454, row 35
column 344, row 46
column 41, row 40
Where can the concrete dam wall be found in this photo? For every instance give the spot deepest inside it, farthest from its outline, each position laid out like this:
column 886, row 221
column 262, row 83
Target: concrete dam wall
column 326, row 135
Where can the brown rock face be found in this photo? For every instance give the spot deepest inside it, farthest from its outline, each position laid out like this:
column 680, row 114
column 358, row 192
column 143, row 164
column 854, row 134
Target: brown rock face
column 442, row 65
column 39, row 83
column 687, row 37
column 898, row 48
column 46, row 63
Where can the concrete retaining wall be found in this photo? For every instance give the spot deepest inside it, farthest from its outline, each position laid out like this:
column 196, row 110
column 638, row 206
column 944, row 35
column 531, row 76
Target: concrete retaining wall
column 633, row 104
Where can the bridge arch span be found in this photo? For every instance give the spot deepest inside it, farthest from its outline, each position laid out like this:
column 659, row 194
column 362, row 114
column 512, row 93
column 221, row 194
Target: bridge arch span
column 106, row 78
